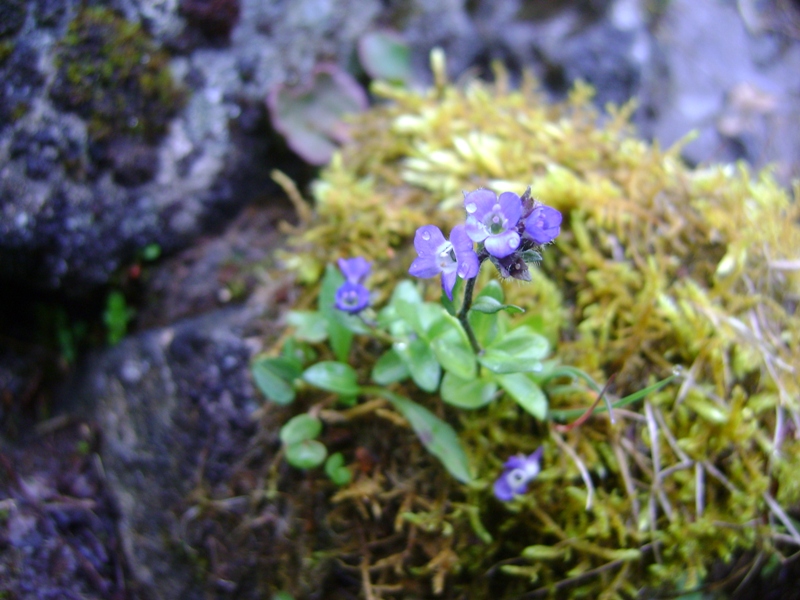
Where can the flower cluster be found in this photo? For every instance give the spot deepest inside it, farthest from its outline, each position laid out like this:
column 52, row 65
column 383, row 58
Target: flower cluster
column 518, row 472
column 352, row 297
column 507, row 230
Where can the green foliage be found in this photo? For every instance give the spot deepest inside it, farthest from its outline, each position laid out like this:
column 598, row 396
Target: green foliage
column 116, row 316
column 335, row 469
column 658, row 265
column 384, row 55
column 112, row 73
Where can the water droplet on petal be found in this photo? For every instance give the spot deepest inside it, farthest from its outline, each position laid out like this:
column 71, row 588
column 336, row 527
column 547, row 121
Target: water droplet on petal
column 471, row 207
column 426, row 235
column 513, row 242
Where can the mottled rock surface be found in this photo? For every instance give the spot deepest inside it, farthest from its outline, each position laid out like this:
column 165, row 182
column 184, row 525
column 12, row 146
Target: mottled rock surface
column 175, row 407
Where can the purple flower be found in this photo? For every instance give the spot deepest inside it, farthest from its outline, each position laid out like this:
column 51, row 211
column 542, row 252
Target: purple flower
column 352, row 297
column 543, row 224
column 355, row 270
column 493, row 220
column 518, row 472
column 437, row 255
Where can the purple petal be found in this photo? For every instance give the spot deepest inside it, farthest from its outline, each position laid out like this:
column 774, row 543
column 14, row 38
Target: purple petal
column 503, row 244
column 355, row 269
column 424, row 267
column 518, row 461
column 479, row 202
column 502, row 491
column 352, row 297
column 543, row 225
column 468, row 264
column 428, row 239
column 475, row 229
column 448, row 281
column 511, row 206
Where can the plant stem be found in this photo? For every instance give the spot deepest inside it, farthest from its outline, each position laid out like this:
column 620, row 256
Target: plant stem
column 462, row 314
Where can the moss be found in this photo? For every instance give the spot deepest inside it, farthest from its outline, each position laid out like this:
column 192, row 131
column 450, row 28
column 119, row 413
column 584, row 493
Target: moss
column 6, row 48
column 658, row 267
column 113, row 74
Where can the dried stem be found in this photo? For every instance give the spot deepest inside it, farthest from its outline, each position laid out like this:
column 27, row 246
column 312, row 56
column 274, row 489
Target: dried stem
column 581, row 467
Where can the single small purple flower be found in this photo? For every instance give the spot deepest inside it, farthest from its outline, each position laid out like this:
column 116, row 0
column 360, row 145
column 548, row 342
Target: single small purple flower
column 493, row 220
column 518, row 472
column 437, row 255
column 352, row 297
column 355, row 270
column 543, row 224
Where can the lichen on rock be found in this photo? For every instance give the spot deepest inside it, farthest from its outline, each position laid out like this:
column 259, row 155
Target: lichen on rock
column 111, row 73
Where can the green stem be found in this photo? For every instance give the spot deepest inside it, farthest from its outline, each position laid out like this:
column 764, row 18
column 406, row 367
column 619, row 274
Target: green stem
column 462, row 314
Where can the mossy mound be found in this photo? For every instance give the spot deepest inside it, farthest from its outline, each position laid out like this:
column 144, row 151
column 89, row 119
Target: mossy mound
column 659, row 267
column 113, row 74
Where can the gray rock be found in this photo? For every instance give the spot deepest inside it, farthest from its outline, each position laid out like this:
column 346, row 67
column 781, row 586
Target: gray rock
column 737, row 88
column 174, row 408
column 74, row 209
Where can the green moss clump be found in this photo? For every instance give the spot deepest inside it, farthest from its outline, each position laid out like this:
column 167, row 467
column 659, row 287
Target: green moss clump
column 658, row 267
column 112, row 74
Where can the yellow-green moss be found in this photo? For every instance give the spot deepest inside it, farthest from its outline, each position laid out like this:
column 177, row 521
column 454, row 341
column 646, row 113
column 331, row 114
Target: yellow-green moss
column 112, row 73
column 657, row 266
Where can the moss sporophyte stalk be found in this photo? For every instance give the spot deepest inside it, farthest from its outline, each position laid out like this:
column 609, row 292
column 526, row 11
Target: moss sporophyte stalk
column 468, row 414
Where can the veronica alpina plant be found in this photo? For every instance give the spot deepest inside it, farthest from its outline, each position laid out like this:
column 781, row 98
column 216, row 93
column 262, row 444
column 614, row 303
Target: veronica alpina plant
column 518, row 472
column 352, row 296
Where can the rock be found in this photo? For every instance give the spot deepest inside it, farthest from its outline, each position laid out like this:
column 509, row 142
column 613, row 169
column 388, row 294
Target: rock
column 174, row 408
column 735, row 86
column 59, row 525
column 136, row 147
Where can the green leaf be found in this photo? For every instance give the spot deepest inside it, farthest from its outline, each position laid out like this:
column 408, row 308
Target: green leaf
column 467, row 393
column 336, row 377
column 151, row 252
column 527, row 394
column 500, row 362
column 523, row 342
column 451, row 346
column 493, row 289
column 406, row 290
column 385, row 55
column 485, row 326
column 531, row 256
column 519, row 351
column 436, row 435
column 421, row 363
column 335, row 469
column 306, row 454
column 389, row 368
column 300, row 428
column 629, row 399
column 310, row 325
column 490, row 306
column 341, row 338
column 274, row 377
column 419, row 316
